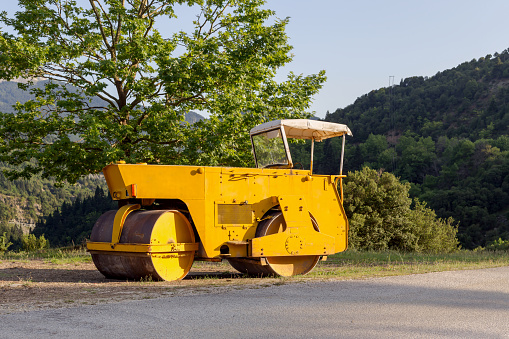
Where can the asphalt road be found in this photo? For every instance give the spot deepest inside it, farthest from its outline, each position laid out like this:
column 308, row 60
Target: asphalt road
column 462, row 304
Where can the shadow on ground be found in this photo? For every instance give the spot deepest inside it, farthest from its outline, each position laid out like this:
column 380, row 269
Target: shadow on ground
column 48, row 275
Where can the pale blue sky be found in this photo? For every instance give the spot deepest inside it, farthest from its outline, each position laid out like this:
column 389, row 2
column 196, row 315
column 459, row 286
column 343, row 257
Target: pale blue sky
column 360, row 43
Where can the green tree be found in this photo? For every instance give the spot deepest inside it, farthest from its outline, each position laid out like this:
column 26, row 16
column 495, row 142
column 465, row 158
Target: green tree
column 417, row 157
column 433, row 234
column 11, row 236
column 6, row 212
column 376, row 205
column 379, row 210
column 118, row 86
column 498, row 245
column 4, row 244
column 372, row 148
column 72, row 223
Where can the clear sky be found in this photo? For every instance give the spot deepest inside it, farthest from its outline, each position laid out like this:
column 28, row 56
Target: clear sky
column 360, row 43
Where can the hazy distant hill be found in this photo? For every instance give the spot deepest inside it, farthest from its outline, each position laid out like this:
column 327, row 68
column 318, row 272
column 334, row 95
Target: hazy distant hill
column 10, row 94
column 24, row 202
column 192, row 117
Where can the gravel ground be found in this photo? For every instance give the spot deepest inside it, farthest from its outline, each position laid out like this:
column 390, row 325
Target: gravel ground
column 36, row 285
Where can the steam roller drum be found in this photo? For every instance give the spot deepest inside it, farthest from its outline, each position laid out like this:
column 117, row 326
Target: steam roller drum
column 144, row 227
column 278, row 266
column 248, row 266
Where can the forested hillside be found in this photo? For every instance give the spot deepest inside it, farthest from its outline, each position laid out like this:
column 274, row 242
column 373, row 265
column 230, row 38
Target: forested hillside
column 72, row 222
column 447, row 135
column 25, row 202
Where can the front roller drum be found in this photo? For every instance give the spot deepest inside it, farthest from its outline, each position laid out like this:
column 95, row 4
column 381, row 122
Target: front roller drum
column 157, row 227
column 276, row 266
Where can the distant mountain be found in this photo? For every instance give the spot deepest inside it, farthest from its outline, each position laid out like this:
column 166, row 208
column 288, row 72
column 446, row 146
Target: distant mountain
column 10, row 94
column 192, row 117
column 447, row 135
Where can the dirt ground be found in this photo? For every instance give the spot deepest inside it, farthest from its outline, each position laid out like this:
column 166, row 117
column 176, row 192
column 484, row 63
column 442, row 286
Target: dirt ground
column 36, row 284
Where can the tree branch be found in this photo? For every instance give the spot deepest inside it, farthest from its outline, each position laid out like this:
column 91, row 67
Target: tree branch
column 101, row 26
column 155, row 142
column 48, row 74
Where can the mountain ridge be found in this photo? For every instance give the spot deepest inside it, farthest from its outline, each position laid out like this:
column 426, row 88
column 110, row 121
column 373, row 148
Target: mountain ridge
column 447, row 135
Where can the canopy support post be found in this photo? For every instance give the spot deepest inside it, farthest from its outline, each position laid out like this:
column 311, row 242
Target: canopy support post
column 342, row 156
column 341, row 169
column 312, row 153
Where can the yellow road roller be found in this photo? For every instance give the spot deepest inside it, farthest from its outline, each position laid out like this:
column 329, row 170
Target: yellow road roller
column 270, row 220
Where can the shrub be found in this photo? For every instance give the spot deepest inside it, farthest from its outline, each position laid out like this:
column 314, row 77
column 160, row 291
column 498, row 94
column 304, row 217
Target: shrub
column 498, row 245
column 379, row 210
column 31, row 243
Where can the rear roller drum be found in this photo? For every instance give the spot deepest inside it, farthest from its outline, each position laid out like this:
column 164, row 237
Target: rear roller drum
column 249, row 266
column 144, row 227
column 277, row 266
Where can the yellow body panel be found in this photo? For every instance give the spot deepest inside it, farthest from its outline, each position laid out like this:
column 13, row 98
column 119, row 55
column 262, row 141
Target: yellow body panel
column 226, row 205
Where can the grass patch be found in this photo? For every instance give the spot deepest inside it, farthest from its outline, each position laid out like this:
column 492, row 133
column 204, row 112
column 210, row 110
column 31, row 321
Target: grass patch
column 52, row 255
column 353, row 264
column 222, row 266
column 347, row 265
